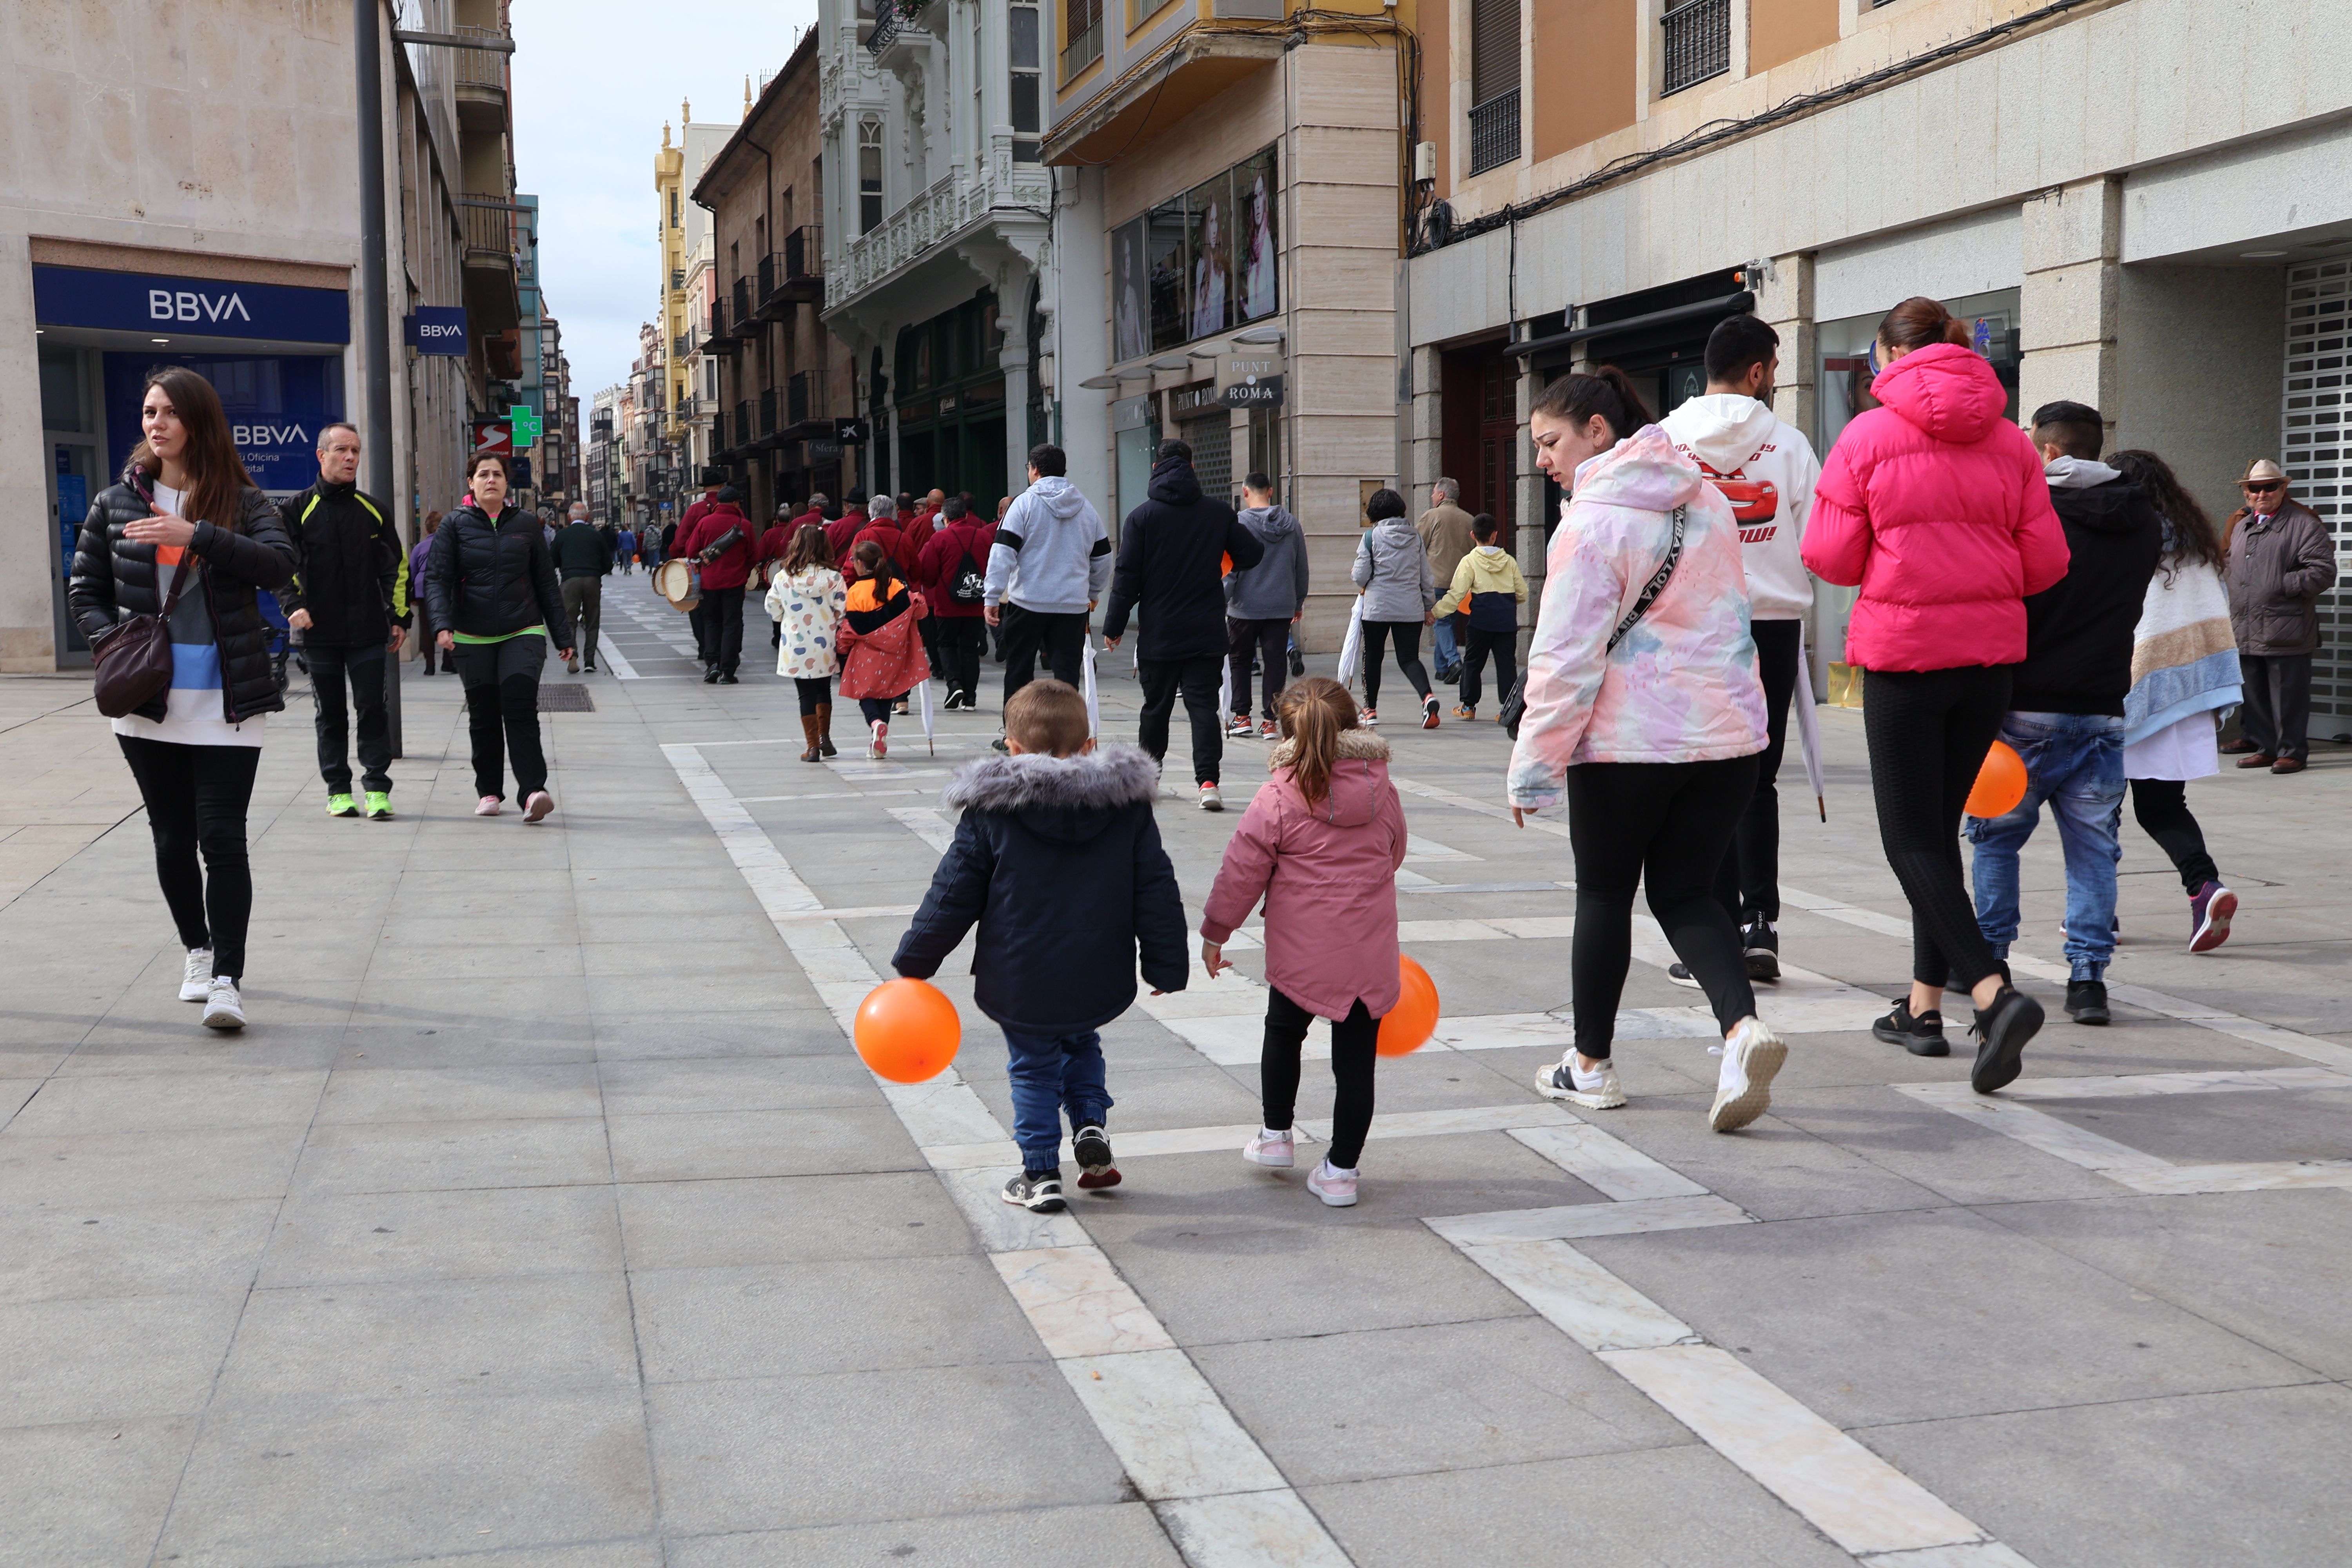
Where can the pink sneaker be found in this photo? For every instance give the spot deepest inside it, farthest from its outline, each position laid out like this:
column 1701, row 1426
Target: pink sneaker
column 1335, row 1186
column 487, row 806
column 1267, row 1147
column 540, row 804
column 881, row 746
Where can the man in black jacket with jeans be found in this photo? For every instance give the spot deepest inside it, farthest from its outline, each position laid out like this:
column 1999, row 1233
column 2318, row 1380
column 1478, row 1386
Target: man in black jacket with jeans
column 349, row 600
column 1170, row 561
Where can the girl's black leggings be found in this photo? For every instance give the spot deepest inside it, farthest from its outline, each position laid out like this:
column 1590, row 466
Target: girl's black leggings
column 1354, row 1039
column 196, row 798
column 2161, row 808
column 1662, row 827
column 1928, row 731
column 814, row 694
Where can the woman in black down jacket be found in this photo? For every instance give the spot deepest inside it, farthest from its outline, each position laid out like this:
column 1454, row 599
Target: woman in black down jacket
column 186, row 510
column 491, row 588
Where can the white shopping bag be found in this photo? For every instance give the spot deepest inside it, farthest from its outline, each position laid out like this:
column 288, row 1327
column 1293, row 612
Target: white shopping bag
column 1094, row 698
column 1351, row 651
column 923, row 687
column 1225, row 692
column 1808, row 731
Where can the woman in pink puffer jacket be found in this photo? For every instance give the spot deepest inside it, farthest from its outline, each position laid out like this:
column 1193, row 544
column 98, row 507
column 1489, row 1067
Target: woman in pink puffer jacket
column 1648, row 718
column 1936, row 506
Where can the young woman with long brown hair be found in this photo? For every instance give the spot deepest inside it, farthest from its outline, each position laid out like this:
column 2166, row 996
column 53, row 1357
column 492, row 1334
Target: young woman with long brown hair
column 187, row 527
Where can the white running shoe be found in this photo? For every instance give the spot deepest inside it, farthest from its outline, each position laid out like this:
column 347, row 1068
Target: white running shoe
column 1210, row 799
column 1335, row 1186
column 197, row 981
column 881, row 746
column 224, row 1009
column 1744, row 1089
column 540, row 804
column 487, row 806
column 1267, row 1147
column 1592, row 1090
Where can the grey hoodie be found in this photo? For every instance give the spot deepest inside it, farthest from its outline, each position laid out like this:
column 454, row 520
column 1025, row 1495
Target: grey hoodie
column 1274, row 588
column 1052, row 553
column 1394, row 572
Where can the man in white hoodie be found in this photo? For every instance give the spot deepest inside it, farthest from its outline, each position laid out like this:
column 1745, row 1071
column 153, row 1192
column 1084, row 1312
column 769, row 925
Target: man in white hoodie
column 1049, row 564
column 1767, row 471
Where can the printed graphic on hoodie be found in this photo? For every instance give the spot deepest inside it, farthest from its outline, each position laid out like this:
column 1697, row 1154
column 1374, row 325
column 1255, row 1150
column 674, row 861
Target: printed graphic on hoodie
column 1754, row 502
column 1765, row 467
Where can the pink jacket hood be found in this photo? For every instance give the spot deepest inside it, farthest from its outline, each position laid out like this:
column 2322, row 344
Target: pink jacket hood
column 1327, row 874
column 1946, row 390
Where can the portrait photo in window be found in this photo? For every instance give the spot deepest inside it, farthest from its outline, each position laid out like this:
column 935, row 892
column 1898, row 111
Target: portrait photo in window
column 1131, row 292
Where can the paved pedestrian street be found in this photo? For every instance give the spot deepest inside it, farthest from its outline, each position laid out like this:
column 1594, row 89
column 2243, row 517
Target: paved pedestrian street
column 543, row 1216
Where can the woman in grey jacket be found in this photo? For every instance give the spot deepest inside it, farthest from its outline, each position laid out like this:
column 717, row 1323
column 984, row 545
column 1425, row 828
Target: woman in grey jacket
column 1392, row 572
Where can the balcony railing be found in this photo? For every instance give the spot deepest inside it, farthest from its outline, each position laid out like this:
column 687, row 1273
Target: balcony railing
column 479, row 69
column 489, row 229
column 1084, row 50
column 1494, row 131
column 744, row 423
column 953, row 202
column 743, row 304
column 803, row 397
column 1698, row 43
column 767, row 412
column 887, row 23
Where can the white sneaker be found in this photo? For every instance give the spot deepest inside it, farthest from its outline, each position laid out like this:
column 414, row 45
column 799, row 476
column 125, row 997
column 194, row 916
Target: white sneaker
column 1335, row 1186
column 487, row 806
column 1592, row 1090
column 1267, row 1147
column 224, row 1009
column 1744, row 1089
column 881, row 746
column 540, row 804
column 1210, row 799
column 197, row 982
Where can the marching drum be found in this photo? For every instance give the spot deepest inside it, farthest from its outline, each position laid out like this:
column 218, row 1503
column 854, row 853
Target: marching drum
column 674, row 581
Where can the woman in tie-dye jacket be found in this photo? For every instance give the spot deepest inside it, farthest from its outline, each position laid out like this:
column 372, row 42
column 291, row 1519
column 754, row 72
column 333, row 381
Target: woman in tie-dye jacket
column 1652, row 740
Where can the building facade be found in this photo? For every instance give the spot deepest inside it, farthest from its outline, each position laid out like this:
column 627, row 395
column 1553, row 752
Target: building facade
column 2133, row 202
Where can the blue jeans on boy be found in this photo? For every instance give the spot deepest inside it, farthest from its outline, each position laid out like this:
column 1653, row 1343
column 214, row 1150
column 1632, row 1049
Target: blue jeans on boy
column 2075, row 761
column 1050, row 1072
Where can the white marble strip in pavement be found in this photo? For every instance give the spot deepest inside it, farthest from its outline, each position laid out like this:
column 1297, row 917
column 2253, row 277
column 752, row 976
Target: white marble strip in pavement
column 613, row 660
column 1554, row 823
column 1220, row 1498
column 1419, row 849
column 1569, row 1222
column 927, row 823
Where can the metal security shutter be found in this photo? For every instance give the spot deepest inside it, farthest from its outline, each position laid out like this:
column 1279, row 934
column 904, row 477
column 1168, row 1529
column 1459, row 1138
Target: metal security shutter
column 1494, row 49
column 1210, row 436
column 2318, row 335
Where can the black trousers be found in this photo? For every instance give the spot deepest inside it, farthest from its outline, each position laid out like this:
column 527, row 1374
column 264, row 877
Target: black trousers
column 364, row 667
column 1355, row 1040
column 1749, row 882
column 2161, row 808
column 196, row 798
column 813, row 694
column 1408, row 658
column 1196, row 679
column 960, row 639
column 2277, row 714
column 722, row 633
column 1061, row 638
column 1928, row 731
column 698, row 620
column 1477, row 647
column 1663, row 825
column 501, row 682
column 1267, row 641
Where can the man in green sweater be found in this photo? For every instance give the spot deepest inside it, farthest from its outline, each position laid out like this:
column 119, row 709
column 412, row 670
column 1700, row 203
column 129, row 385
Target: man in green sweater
column 582, row 559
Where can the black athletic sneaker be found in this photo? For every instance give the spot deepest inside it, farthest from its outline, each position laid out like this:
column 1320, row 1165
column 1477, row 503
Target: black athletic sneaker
column 709, row 675
column 2086, row 1001
column 1679, row 972
column 1092, row 1147
column 1922, row 1035
column 2002, row 1031
column 1039, row 1192
column 1763, row 948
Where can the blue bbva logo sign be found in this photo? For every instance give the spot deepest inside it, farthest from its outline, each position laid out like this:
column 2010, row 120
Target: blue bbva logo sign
column 437, row 330
column 195, row 307
column 189, row 305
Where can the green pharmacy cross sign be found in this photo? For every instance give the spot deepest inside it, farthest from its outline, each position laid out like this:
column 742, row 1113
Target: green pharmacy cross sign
column 524, row 423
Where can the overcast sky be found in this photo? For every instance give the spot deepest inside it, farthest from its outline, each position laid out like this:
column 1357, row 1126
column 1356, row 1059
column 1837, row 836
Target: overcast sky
column 594, row 80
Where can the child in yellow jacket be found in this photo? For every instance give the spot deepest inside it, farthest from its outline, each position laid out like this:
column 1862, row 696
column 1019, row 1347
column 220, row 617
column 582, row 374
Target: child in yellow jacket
column 1489, row 584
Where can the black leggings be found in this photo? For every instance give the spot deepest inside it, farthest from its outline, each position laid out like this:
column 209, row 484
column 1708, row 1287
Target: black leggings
column 1663, row 825
column 501, row 682
column 1354, row 1042
column 196, row 798
column 1749, row 882
column 814, row 694
column 2161, row 808
column 1408, row 658
column 1928, row 731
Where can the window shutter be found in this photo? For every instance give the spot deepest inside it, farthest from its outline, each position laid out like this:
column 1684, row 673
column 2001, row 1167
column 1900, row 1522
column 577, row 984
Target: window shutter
column 1493, row 49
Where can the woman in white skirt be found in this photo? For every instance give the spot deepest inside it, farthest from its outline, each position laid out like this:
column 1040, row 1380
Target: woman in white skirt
column 2184, row 676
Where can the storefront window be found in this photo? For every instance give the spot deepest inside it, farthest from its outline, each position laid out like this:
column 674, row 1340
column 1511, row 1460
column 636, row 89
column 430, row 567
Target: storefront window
column 1198, row 265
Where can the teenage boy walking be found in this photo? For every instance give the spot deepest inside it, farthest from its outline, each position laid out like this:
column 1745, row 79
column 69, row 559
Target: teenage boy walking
column 349, row 600
column 1058, row 861
column 1262, row 602
column 1046, row 568
column 1488, row 589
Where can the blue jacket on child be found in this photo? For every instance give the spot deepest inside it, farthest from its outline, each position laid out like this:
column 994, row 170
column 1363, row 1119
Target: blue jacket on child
column 1058, row 860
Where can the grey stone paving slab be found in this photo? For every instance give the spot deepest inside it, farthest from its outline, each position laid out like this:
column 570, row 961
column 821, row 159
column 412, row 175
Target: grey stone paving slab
column 788, row 1219
column 90, row 1493
column 411, row 1040
column 366, row 1481
column 736, row 1083
column 1961, row 1162
column 14, row 1093
column 764, row 988
column 474, row 998
column 1109, row 1535
column 124, row 1168
column 1451, row 1397
column 414, row 1156
column 644, row 1553
column 759, row 1143
column 2216, row 1129
column 771, row 1032
column 2247, row 1479
column 995, row 1437
column 364, row 1092
column 134, row 1103
column 1863, row 1318
column 62, row 1251
column 111, row 1358
column 455, row 965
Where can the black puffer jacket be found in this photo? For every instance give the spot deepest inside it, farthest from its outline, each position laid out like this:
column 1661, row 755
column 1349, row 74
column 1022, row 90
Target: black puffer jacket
column 352, row 570
column 487, row 579
column 114, row 579
column 1171, row 565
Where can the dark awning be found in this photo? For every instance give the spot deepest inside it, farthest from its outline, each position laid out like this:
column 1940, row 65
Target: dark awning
column 1729, row 305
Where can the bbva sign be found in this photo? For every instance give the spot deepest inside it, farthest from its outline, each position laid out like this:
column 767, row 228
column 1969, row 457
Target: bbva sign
column 187, row 305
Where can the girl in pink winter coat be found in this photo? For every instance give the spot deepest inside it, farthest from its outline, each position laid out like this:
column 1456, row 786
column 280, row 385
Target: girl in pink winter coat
column 1937, row 507
column 1320, row 844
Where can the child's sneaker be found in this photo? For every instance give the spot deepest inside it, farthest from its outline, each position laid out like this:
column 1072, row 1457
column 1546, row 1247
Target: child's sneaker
column 2209, row 912
column 881, row 746
column 1269, row 1148
column 1039, row 1192
column 1335, row 1186
column 1241, row 729
column 1092, row 1147
column 1593, row 1090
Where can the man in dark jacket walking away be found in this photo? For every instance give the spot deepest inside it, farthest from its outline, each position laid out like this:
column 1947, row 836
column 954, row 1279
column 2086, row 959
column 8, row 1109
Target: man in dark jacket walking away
column 349, row 601
column 1262, row 602
column 721, row 540
column 1171, row 565
column 2066, row 704
column 953, row 571
column 1058, row 860
column 2280, row 561
column 581, row 560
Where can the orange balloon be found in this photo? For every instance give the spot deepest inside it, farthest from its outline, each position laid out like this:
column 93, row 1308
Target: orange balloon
column 2001, row 783
column 908, row 1031
column 1413, row 1019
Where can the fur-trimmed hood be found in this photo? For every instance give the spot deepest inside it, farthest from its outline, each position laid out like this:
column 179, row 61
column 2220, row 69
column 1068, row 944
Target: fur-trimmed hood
column 1365, row 743
column 1066, row 798
column 1359, row 779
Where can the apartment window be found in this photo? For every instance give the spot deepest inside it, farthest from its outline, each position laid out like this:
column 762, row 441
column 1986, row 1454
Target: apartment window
column 1493, row 83
column 673, row 209
column 869, row 175
column 1698, row 43
column 1081, row 35
column 1028, row 113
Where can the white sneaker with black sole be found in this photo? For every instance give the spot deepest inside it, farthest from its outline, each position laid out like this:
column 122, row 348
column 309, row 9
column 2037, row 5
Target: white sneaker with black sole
column 1039, row 1192
column 224, row 1009
column 196, row 980
column 1593, row 1090
column 1743, row 1090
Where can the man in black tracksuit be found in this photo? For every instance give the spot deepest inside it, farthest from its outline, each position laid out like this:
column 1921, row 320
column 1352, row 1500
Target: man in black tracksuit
column 349, row 603
column 1170, row 561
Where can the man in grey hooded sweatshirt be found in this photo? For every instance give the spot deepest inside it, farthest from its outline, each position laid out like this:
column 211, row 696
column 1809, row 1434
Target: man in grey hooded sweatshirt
column 1262, row 602
column 1049, row 564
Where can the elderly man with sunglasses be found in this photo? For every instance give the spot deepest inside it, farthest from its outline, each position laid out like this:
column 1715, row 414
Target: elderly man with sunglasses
column 2280, row 561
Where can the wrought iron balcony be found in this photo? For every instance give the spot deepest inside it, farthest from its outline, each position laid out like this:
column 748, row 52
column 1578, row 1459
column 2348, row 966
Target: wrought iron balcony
column 804, row 397
column 1019, row 192
column 1698, row 43
column 1494, row 131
